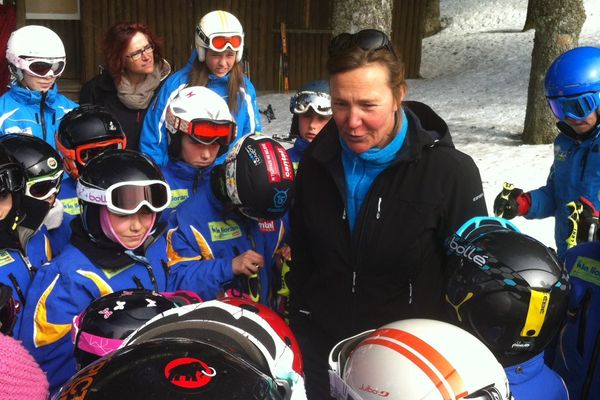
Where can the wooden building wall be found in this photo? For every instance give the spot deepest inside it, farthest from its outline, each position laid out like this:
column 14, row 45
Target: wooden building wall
column 308, row 26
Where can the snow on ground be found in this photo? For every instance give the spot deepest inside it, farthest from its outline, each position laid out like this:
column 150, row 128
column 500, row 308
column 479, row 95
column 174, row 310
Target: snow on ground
column 475, row 74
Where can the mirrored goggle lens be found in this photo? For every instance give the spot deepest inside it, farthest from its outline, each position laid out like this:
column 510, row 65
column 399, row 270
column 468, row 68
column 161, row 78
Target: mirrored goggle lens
column 577, row 108
column 319, row 102
column 210, row 131
column 220, row 43
column 129, row 198
column 43, row 68
column 44, row 188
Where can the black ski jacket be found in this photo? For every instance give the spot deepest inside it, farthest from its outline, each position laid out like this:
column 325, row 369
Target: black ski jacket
column 392, row 266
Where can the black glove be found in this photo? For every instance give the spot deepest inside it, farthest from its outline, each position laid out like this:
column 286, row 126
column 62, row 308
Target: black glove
column 506, row 204
column 583, row 222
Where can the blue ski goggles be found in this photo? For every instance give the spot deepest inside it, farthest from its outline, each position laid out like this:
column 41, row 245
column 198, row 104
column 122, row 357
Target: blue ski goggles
column 575, row 107
column 320, row 102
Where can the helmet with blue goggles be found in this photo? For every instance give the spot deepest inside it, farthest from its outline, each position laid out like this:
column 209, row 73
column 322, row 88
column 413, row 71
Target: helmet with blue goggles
column 127, row 198
column 575, row 107
column 320, row 102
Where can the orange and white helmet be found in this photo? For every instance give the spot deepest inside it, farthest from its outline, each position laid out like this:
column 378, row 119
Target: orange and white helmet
column 416, row 359
column 218, row 31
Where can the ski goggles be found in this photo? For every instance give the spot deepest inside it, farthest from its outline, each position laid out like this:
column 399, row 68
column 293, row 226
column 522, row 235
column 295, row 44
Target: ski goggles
column 367, row 39
column 12, row 179
column 220, row 41
column 43, row 187
column 42, row 67
column 203, row 131
column 575, row 107
column 127, row 198
column 85, row 152
column 318, row 101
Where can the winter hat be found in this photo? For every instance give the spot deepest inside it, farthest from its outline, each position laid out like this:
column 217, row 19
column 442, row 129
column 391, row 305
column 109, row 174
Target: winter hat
column 20, row 376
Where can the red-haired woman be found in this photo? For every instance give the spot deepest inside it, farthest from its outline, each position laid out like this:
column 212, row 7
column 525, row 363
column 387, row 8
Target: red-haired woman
column 132, row 74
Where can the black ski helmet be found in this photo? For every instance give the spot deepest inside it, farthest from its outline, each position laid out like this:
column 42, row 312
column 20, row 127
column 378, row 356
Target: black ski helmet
column 43, row 165
column 90, row 128
column 506, row 288
column 109, row 319
column 171, row 368
column 257, row 177
column 8, row 310
column 117, row 167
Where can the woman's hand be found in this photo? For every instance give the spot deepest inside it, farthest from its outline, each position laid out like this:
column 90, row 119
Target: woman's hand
column 247, row 263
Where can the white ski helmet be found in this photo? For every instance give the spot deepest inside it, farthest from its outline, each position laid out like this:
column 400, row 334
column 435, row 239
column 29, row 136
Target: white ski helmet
column 36, row 49
column 203, row 115
column 416, row 359
column 219, row 30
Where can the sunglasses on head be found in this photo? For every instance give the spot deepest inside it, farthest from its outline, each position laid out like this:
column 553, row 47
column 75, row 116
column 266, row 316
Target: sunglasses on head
column 575, row 107
column 221, row 41
column 127, row 198
column 367, row 39
column 43, row 67
column 44, row 187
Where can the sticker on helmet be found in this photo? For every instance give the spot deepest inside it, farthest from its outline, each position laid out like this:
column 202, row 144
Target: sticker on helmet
column 52, row 163
column 189, row 373
column 286, row 164
column 268, row 152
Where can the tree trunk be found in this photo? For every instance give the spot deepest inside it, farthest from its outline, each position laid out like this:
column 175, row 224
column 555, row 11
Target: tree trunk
column 530, row 19
column 432, row 23
column 558, row 24
column 354, row 15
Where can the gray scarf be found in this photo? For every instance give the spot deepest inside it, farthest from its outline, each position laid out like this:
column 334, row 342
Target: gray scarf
column 138, row 98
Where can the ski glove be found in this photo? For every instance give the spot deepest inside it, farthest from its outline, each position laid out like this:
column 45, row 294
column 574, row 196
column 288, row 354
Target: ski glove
column 583, row 222
column 511, row 202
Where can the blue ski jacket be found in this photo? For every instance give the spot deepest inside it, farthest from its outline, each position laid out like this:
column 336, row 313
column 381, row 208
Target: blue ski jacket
column 17, row 268
column 153, row 138
column 207, row 238
column 33, row 112
column 534, row 380
column 578, row 351
column 574, row 173
column 184, row 180
column 297, row 150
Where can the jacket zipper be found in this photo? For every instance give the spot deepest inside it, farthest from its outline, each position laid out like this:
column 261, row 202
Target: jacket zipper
column 587, row 385
column 42, row 116
column 583, row 311
column 584, row 164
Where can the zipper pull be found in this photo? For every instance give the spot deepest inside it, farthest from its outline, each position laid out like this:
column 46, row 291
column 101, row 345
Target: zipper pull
column 344, row 214
column 378, row 209
column 410, row 292
column 354, row 282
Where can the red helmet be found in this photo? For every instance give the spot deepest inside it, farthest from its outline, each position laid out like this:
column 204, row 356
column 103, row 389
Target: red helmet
column 243, row 328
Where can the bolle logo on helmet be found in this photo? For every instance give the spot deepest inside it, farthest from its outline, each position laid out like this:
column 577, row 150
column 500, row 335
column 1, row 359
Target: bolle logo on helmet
column 78, row 388
column 372, row 390
column 189, row 373
column 469, row 252
column 253, row 155
column 52, row 163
